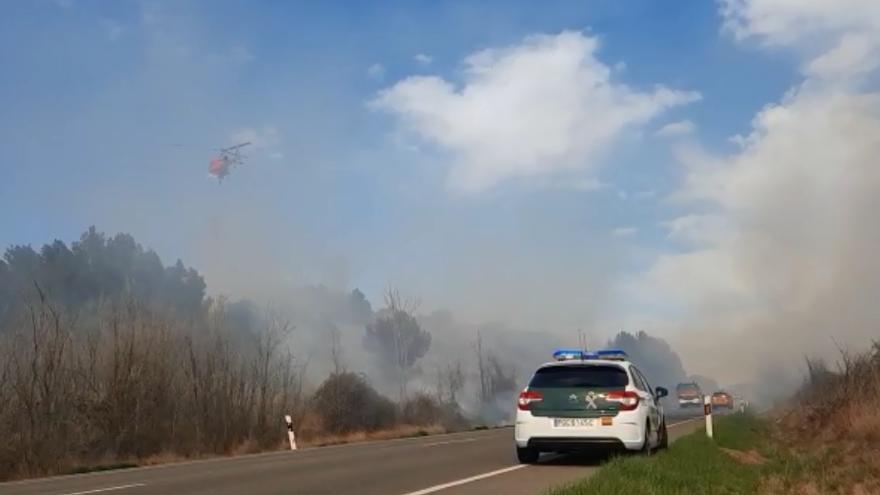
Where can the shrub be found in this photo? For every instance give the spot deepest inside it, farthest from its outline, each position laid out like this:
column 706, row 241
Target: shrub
column 840, row 404
column 422, row 409
column 346, row 402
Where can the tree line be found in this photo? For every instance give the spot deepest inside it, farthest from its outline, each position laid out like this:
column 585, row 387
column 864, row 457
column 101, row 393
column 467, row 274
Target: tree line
column 107, row 355
column 97, row 268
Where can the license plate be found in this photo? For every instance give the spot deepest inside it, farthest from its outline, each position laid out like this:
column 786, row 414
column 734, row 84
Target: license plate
column 573, row 422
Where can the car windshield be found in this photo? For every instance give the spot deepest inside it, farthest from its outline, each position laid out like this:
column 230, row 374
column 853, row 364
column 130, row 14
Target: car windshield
column 579, row 376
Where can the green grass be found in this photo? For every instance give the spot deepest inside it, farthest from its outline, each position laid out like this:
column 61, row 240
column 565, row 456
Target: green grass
column 692, row 465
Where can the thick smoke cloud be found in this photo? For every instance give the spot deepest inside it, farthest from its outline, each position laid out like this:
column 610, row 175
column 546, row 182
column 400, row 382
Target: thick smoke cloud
column 778, row 257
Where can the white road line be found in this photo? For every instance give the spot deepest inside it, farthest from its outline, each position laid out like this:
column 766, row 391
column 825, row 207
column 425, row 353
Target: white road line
column 448, row 442
column 463, row 481
column 478, row 477
column 684, row 422
column 108, row 489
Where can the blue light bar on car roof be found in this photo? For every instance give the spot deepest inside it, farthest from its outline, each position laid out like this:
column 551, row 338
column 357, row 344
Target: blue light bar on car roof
column 612, row 354
column 568, row 354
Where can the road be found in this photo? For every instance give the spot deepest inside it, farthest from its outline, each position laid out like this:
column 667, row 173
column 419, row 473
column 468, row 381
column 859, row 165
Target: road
column 455, row 464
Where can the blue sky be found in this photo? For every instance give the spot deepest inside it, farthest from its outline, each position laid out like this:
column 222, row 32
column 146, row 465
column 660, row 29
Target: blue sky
column 112, row 110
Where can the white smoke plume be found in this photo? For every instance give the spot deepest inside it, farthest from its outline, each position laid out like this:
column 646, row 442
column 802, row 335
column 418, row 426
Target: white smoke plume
column 779, row 253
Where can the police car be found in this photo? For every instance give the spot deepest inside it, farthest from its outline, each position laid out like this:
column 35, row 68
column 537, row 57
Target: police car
column 585, row 401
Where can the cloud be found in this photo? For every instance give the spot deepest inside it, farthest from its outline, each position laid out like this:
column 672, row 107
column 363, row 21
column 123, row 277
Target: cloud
column 543, row 106
column 624, row 231
column 572, row 184
column 376, row 71
column 786, row 22
column 423, row 60
column 676, row 129
column 696, row 229
column 854, row 55
column 839, row 38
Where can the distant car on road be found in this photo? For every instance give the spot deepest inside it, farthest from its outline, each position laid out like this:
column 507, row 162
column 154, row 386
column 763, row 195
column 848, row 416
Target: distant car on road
column 689, row 395
column 722, row 400
column 587, row 401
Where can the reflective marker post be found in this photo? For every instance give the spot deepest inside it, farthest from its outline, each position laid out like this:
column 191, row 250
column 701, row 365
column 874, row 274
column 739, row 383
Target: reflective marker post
column 707, row 412
column 290, row 436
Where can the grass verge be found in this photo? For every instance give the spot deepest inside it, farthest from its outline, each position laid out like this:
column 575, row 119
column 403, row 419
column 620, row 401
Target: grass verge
column 400, row 431
column 734, row 463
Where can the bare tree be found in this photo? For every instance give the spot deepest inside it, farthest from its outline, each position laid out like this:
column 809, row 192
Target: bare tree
column 450, row 381
column 397, row 338
column 501, row 378
column 336, row 352
column 267, row 347
column 455, row 380
column 495, row 378
column 481, row 369
column 135, row 382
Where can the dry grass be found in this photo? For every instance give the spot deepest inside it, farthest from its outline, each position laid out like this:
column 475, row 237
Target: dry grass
column 751, row 457
column 400, row 431
column 832, row 428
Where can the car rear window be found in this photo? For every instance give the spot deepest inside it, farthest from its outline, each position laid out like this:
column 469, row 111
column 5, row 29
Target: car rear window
column 579, row 376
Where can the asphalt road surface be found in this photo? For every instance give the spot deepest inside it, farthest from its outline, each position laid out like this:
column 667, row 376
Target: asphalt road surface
column 463, row 463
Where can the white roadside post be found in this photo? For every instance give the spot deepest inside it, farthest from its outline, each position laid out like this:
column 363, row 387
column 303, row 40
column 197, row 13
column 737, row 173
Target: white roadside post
column 707, row 411
column 290, row 435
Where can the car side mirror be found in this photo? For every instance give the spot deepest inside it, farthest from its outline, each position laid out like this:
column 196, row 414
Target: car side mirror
column 660, row 392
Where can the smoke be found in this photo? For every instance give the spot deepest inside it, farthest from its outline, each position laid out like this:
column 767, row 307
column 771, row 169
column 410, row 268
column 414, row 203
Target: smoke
column 778, row 255
column 509, row 356
column 773, row 254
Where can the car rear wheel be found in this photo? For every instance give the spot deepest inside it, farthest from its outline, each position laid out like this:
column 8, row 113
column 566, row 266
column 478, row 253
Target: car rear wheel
column 646, row 447
column 527, row 455
column 664, row 437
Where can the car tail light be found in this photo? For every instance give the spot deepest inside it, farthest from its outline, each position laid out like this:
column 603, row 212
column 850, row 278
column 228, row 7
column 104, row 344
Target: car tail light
column 627, row 400
column 526, row 397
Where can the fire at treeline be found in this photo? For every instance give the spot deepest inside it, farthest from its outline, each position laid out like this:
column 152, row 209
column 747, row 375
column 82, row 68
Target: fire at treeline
column 109, row 355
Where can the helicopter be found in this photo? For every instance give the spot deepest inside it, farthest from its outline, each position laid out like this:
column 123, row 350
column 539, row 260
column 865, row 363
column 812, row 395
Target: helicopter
column 222, row 164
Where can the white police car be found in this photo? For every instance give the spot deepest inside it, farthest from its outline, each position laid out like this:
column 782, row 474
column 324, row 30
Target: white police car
column 587, row 401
